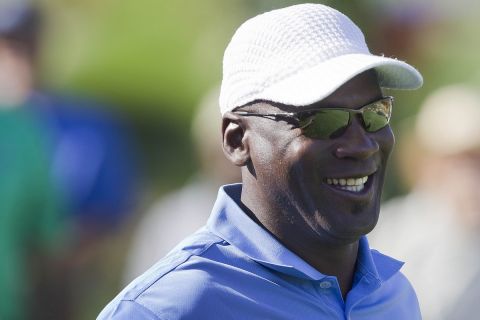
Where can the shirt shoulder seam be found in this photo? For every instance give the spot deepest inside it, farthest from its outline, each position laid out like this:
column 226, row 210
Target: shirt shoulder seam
column 175, row 266
column 143, row 307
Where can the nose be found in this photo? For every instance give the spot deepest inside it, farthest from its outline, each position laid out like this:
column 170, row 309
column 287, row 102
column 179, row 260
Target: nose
column 355, row 143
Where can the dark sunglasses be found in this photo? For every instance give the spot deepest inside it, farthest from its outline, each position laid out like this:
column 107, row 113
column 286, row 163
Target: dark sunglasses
column 327, row 123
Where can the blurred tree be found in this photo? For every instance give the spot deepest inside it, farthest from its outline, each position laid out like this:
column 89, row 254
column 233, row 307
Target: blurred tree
column 151, row 57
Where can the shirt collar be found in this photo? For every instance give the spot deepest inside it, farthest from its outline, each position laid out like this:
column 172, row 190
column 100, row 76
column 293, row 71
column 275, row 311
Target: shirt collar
column 374, row 264
column 231, row 223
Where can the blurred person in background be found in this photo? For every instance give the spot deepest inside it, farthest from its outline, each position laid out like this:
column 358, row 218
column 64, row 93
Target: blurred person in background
column 68, row 168
column 177, row 215
column 436, row 227
column 31, row 213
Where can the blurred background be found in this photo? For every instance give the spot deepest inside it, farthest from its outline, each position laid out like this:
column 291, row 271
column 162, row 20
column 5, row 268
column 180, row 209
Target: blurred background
column 110, row 135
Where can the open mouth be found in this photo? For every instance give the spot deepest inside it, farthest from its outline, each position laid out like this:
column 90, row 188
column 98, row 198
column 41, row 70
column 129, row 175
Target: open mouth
column 353, row 184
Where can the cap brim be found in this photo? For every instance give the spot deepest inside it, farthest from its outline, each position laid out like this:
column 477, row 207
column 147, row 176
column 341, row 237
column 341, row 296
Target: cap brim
column 312, row 85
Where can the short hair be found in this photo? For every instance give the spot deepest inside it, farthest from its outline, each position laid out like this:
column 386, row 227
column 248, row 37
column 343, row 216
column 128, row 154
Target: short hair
column 20, row 25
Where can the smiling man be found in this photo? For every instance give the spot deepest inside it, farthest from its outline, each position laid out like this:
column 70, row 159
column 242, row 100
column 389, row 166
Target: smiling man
column 305, row 118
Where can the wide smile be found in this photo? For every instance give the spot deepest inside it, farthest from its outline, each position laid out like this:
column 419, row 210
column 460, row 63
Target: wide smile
column 355, row 184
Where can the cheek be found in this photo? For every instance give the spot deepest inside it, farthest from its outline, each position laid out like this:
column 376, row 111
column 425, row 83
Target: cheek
column 283, row 163
column 268, row 160
column 308, row 161
column 386, row 142
column 263, row 156
column 262, row 151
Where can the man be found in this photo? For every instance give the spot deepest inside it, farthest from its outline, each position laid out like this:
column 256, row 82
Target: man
column 305, row 119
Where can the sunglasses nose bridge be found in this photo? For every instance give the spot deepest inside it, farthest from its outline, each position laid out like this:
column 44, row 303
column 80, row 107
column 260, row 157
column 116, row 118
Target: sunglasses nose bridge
column 356, row 116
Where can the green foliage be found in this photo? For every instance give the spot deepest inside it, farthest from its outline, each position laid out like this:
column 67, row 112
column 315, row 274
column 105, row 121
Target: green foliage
column 149, row 57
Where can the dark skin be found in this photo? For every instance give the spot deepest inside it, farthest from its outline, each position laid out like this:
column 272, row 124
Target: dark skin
column 284, row 176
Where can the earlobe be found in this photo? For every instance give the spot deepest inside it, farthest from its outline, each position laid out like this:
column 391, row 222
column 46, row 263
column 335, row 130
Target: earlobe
column 235, row 145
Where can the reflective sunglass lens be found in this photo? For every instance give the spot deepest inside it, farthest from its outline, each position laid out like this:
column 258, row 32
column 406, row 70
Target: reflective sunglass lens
column 374, row 121
column 331, row 123
column 326, row 124
column 377, row 115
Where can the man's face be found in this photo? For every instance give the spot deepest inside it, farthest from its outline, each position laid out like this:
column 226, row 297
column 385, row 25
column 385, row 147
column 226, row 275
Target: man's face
column 297, row 174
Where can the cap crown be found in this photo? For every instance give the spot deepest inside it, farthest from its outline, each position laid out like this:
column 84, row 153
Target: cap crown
column 279, row 44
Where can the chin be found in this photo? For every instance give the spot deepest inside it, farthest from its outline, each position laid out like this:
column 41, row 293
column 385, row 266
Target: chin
column 348, row 229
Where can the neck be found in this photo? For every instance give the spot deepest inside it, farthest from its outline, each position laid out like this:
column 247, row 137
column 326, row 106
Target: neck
column 338, row 261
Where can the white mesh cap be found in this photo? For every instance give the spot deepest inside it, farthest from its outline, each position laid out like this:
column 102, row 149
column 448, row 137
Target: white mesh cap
column 299, row 55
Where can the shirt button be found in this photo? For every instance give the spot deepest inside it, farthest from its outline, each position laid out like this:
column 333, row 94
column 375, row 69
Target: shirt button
column 325, row 284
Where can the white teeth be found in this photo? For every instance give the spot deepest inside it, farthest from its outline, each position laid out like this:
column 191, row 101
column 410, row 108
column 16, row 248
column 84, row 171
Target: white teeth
column 349, row 184
column 353, row 188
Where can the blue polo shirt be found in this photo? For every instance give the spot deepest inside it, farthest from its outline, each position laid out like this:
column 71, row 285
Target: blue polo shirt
column 233, row 269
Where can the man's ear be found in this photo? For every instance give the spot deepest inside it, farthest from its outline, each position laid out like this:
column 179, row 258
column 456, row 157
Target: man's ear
column 235, row 145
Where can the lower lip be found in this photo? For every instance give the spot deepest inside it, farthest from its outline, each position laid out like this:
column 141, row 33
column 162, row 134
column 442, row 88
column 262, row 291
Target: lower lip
column 358, row 195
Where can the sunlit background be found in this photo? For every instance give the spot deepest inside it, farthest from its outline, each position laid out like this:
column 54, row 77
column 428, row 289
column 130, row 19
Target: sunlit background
column 153, row 60
column 148, row 64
